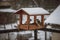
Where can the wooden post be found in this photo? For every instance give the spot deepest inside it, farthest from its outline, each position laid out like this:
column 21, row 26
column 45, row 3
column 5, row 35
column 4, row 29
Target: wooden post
column 35, row 34
column 28, row 20
column 34, row 19
column 42, row 20
column 8, row 36
column 45, row 35
column 20, row 19
column 4, row 27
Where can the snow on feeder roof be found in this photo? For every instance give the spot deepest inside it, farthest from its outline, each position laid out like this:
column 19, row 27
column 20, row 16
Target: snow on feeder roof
column 54, row 18
column 35, row 11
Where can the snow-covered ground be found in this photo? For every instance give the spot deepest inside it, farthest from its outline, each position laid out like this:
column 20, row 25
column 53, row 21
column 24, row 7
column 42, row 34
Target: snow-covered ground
column 13, row 35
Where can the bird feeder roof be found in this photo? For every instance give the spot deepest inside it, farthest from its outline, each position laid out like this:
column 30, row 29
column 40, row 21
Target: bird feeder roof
column 35, row 11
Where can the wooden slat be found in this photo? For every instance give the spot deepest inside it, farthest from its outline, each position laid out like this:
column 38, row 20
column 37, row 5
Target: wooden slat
column 23, row 27
column 20, row 19
column 29, row 27
column 34, row 19
column 42, row 20
column 9, row 30
column 39, row 14
column 28, row 20
column 16, row 30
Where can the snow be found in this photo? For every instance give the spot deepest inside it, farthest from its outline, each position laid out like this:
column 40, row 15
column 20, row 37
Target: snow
column 7, row 10
column 13, row 35
column 8, row 26
column 35, row 11
column 54, row 18
column 11, row 26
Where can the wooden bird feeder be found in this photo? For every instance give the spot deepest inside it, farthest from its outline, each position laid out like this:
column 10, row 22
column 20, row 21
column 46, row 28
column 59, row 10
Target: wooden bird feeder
column 31, row 12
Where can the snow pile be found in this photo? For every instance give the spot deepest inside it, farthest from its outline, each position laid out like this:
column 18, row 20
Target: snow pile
column 54, row 18
column 7, row 10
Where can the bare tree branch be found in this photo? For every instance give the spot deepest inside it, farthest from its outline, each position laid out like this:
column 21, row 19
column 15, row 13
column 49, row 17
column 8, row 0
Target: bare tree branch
column 35, row 3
